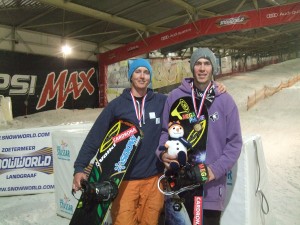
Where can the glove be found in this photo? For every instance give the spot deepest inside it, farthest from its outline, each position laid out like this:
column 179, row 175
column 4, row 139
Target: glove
column 187, row 176
column 197, row 174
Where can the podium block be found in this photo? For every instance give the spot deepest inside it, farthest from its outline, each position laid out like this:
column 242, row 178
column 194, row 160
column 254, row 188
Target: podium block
column 247, row 187
column 66, row 145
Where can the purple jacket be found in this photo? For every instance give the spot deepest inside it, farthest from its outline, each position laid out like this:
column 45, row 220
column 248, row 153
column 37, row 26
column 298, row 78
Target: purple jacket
column 224, row 140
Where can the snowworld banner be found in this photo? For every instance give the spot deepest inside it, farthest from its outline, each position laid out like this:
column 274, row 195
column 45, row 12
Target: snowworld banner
column 26, row 161
column 40, row 83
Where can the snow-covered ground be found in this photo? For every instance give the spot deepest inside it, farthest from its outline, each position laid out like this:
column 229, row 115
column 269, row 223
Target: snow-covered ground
column 276, row 119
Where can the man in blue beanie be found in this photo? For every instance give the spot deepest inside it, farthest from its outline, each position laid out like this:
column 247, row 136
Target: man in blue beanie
column 224, row 139
column 139, row 200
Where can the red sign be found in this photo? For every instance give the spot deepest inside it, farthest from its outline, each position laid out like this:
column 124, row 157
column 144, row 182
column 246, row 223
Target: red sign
column 245, row 20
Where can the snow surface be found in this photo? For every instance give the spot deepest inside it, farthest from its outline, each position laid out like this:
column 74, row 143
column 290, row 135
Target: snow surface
column 276, row 119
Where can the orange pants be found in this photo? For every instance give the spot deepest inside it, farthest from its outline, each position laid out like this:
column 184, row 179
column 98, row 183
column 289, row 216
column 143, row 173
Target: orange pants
column 139, row 202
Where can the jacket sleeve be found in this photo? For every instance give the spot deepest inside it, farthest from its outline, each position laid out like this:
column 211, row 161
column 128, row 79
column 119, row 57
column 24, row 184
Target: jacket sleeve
column 93, row 140
column 164, row 132
column 233, row 145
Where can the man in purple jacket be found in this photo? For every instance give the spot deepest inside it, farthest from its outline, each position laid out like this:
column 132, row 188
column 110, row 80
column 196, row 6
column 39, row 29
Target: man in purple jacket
column 224, row 139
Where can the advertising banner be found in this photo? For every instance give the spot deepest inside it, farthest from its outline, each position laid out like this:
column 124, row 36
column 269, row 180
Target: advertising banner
column 39, row 83
column 26, row 162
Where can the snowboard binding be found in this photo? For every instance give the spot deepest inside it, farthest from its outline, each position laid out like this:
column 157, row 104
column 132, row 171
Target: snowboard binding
column 98, row 192
column 188, row 178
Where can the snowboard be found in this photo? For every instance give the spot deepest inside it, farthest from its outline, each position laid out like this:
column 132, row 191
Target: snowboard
column 195, row 132
column 112, row 160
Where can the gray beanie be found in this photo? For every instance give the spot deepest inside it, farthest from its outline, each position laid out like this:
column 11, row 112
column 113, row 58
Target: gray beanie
column 207, row 54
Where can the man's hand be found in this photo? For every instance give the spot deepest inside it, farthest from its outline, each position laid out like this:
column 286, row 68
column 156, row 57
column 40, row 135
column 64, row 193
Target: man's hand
column 167, row 159
column 221, row 87
column 211, row 175
column 76, row 181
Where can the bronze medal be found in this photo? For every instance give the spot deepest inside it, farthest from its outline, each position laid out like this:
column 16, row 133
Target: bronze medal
column 197, row 127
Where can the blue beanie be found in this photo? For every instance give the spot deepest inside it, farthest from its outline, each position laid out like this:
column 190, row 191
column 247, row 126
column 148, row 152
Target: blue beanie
column 207, row 54
column 136, row 63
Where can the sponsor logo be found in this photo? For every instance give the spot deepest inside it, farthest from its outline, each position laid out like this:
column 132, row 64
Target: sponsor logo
column 19, row 148
column 214, row 116
column 175, row 34
column 18, row 84
column 24, row 175
column 62, row 151
column 272, row 15
column 197, row 210
column 187, row 116
column 229, row 178
column 107, row 141
column 61, row 88
column 108, row 151
column 40, row 160
column 65, row 206
column 232, row 21
column 125, row 134
column 287, row 13
column 27, row 188
column 25, row 162
column 203, row 173
column 182, row 108
column 24, row 136
column 119, row 166
column 132, row 48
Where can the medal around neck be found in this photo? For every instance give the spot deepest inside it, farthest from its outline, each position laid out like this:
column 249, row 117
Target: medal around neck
column 197, row 127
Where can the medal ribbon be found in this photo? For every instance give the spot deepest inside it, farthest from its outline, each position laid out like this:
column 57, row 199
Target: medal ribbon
column 198, row 112
column 138, row 111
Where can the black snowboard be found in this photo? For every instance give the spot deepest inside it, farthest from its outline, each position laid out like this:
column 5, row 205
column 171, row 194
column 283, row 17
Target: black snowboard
column 112, row 160
column 195, row 131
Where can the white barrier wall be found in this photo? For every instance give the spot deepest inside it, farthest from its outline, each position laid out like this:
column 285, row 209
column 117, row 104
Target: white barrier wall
column 247, row 187
column 66, row 145
column 5, row 110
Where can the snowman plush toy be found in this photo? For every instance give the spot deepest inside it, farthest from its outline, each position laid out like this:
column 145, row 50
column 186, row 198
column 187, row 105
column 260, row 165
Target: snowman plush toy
column 176, row 146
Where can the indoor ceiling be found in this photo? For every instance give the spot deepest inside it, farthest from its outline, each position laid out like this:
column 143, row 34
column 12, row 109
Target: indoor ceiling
column 108, row 23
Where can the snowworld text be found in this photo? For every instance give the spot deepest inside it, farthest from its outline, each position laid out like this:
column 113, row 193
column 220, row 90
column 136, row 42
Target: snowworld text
column 25, row 162
column 27, row 188
column 22, row 136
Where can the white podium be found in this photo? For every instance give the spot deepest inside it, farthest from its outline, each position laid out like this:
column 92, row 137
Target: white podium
column 247, row 201
column 66, row 145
